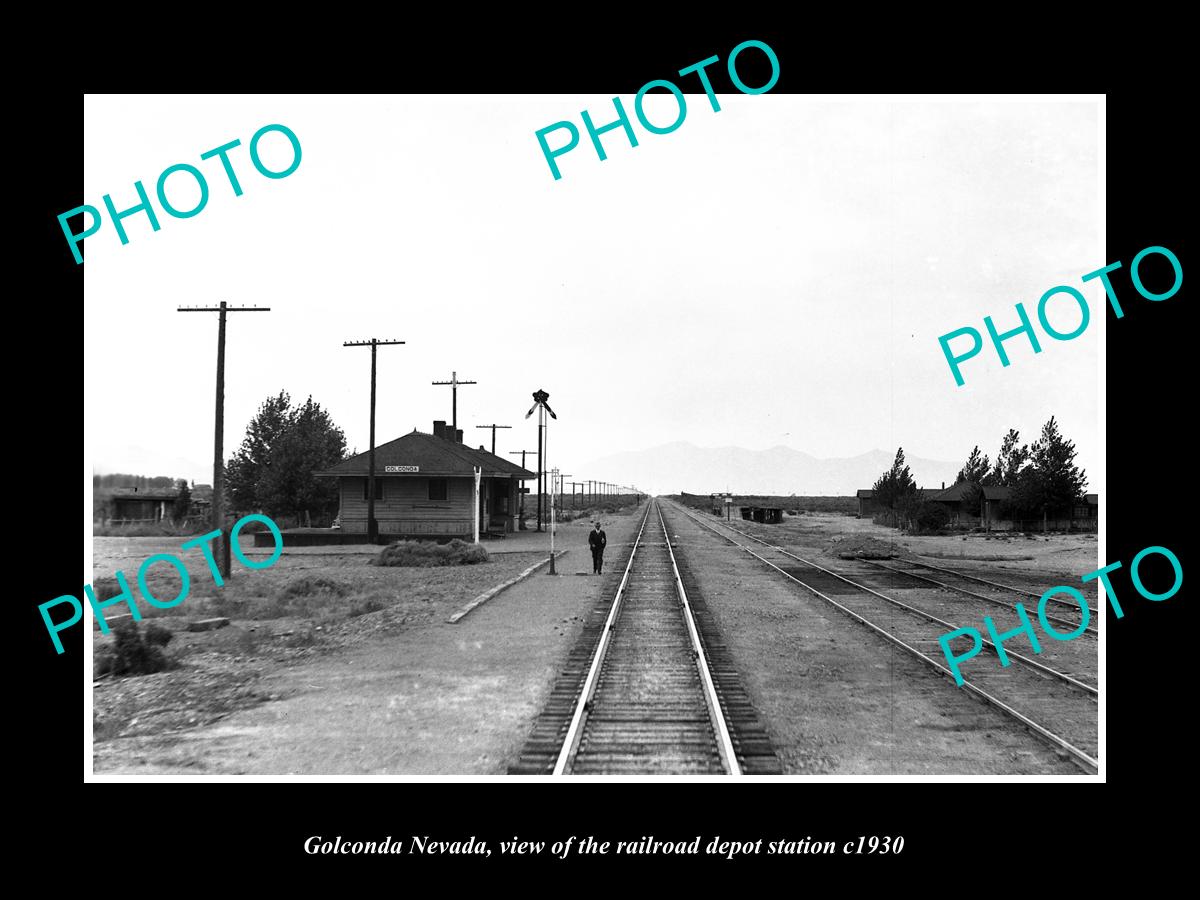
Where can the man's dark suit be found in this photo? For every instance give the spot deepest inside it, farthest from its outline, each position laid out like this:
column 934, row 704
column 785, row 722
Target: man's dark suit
column 597, row 541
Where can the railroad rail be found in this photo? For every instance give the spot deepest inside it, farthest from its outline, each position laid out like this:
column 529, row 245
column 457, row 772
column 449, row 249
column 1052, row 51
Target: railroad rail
column 649, row 688
column 995, row 601
column 1037, row 684
column 975, row 578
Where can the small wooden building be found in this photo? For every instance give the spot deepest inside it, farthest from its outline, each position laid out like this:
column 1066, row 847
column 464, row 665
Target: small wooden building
column 867, row 506
column 954, row 498
column 144, row 505
column 423, row 488
column 768, row 515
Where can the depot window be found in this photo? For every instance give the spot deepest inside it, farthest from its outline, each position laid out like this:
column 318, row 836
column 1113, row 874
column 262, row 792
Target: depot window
column 439, row 489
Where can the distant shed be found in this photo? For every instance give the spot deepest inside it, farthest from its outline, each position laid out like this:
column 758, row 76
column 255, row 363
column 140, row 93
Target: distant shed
column 867, row 506
column 142, row 505
column 767, row 515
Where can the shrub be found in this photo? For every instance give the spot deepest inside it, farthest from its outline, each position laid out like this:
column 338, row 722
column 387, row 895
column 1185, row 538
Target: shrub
column 132, row 654
column 430, row 553
column 157, row 636
column 308, row 585
column 930, row 517
column 362, row 608
column 886, row 517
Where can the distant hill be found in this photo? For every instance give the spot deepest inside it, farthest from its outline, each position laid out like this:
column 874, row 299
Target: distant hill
column 681, row 466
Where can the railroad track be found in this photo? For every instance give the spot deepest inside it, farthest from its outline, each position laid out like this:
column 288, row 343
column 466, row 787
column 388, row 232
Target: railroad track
column 1029, row 692
column 649, row 687
column 954, row 580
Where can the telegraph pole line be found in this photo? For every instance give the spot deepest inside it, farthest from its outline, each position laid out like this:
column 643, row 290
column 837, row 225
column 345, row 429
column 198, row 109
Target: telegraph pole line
column 494, row 427
column 454, row 383
column 561, row 484
column 522, row 452
column 372, row 525
column 218, row 500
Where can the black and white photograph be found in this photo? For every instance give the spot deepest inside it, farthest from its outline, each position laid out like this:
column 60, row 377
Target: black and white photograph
column 437, row 436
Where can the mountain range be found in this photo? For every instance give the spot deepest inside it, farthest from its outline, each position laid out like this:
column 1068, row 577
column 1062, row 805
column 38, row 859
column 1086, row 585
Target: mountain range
column 681, row 466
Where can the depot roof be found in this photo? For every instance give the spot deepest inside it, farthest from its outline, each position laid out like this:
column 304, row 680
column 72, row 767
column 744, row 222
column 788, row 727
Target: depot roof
column 420, row 455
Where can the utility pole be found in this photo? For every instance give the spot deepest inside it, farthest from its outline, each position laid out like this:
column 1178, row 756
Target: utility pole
column 494, row 427
column 454, row 383
column 372, row 525
column 522, row 452
column 541, row 464
column 218, row 500
column 539, row 403
column 561, row 484
column 553, row 478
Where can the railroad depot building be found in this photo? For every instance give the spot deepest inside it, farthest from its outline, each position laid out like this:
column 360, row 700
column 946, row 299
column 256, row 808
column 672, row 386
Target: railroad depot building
column 424, row 484
column 868, row 505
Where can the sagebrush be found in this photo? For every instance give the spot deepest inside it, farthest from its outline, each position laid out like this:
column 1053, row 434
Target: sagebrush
column 430, row 553
column 134, row 653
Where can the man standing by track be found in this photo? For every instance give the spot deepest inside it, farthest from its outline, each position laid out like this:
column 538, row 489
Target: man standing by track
column 597, row 540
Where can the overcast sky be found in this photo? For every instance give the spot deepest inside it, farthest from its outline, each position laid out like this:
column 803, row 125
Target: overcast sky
column 775, row 273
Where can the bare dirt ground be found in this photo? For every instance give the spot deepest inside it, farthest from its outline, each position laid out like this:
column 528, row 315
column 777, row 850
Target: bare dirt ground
column 1053, row 554
column 837, row 698
column 1033, row 562
column 298, row 685
column 309, row 680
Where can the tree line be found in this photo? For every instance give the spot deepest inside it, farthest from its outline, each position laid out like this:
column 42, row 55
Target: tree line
column 124, row 480
column 1042, row 478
